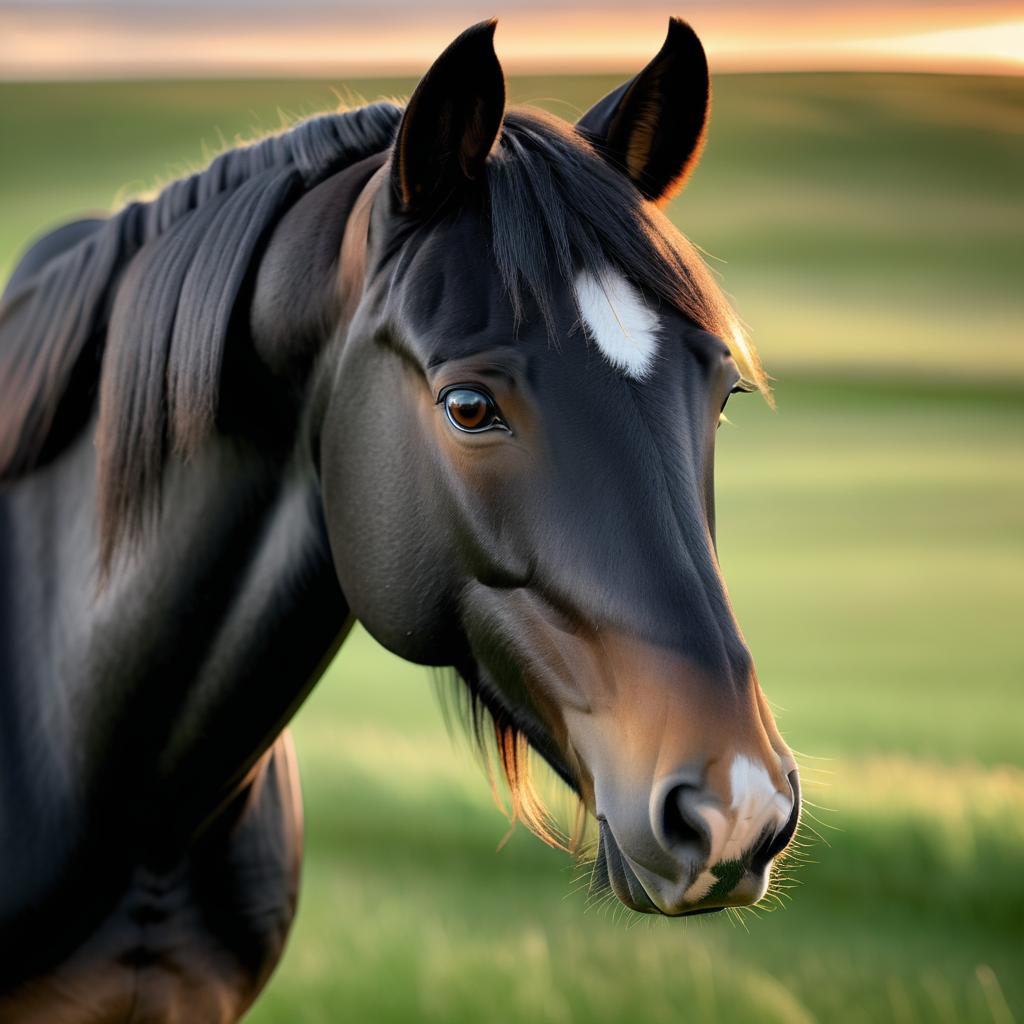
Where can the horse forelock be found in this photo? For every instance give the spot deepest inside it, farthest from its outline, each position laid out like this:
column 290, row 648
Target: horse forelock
column 564, row 223
column 594, row 223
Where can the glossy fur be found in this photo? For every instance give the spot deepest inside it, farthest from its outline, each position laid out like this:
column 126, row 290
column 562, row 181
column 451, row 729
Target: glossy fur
column 222, row 442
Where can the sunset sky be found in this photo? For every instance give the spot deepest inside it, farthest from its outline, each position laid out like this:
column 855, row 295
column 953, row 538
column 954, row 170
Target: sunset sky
column 75, row 38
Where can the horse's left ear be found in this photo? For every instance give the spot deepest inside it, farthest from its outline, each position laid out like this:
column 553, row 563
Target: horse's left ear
column 652, row 127
column 451, row 121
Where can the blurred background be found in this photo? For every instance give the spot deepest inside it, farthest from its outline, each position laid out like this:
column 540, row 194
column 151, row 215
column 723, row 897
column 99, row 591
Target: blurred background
column 861, row 197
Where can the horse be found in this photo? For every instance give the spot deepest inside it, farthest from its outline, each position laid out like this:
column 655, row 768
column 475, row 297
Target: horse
column 445, row 369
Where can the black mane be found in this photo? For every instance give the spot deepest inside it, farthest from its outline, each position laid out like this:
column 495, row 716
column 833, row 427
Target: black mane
column 157, row 323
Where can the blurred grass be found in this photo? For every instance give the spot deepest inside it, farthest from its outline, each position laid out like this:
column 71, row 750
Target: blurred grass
column 872, row 532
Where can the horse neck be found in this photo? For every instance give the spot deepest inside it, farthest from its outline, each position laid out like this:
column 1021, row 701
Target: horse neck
column 167, row 685
column 136, row 711
column 175, row 676
column 229, row 616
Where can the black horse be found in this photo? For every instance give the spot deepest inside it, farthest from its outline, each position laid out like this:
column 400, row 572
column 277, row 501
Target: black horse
column 446, row 370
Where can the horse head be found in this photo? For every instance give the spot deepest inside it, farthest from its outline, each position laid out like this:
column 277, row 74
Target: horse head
column 515, row 428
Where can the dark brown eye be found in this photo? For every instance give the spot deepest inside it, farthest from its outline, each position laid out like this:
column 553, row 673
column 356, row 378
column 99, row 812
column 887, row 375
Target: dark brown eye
column 470, row 410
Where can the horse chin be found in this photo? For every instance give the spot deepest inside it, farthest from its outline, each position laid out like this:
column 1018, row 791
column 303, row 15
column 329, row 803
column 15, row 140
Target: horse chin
column 612, row 871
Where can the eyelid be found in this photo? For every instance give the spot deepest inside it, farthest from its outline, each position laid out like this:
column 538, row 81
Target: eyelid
column 741, row 387
column 482, row 388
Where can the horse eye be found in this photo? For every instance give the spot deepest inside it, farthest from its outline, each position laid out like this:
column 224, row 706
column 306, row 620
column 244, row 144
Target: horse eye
column 471, row 411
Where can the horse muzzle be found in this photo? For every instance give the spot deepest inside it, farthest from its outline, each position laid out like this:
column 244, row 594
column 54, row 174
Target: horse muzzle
column 694, row 853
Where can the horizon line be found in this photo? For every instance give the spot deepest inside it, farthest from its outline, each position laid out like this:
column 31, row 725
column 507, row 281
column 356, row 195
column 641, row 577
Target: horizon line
column 992, row 70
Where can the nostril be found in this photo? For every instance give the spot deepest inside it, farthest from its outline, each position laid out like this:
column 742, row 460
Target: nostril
column 774, row 845
column 682, row 827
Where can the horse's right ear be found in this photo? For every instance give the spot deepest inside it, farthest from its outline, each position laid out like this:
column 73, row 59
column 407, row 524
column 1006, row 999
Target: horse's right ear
column 450, row 122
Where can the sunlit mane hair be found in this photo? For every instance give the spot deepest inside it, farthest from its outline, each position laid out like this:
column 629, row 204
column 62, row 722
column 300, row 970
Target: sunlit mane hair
column 507, row 753
column 140, row 310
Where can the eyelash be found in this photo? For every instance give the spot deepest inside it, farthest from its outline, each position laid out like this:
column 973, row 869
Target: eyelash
column 741, row 387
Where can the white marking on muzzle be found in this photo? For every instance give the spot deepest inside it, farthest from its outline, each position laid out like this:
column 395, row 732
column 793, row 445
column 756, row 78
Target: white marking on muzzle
column 750, row 785
column 756, row 806
column 618, row 321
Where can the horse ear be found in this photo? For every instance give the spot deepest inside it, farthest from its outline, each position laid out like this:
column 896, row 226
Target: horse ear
column 652, row 127
column 451, row 121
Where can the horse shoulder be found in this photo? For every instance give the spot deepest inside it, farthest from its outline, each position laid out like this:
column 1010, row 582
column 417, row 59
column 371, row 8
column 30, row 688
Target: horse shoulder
column 193, row 939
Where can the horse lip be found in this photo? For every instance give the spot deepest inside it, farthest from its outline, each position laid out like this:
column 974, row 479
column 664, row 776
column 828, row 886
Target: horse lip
column 611, row 870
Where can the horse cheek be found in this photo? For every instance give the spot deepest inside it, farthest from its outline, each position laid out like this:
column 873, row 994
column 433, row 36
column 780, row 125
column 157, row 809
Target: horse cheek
column 391, row 548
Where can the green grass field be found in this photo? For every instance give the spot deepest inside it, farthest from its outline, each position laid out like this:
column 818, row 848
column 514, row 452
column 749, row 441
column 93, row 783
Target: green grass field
column 872, row 531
